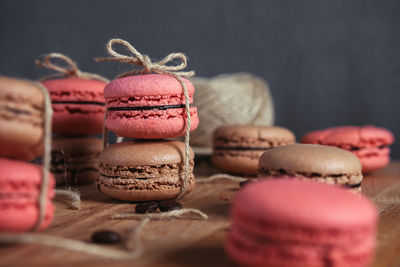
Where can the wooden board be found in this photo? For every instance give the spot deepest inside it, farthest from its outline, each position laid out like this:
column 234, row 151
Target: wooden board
column 189, row 242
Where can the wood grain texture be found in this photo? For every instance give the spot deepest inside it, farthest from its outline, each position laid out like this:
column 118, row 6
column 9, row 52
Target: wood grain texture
column 189, row 242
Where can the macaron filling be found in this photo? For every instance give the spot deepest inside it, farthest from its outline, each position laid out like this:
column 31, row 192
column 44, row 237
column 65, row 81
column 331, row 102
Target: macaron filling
column 352, row 181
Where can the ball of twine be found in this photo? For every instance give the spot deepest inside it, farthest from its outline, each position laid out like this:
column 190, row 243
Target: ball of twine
column 239, row 98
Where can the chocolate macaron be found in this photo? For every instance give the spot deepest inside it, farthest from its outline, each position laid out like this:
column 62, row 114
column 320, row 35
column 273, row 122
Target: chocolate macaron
column 144, row 170
column 325, row 164
column 21, row 119
column 237, row 148
column 75, row 160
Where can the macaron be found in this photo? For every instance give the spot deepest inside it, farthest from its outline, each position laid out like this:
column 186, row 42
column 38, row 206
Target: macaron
column 78, row 105
column 144, row 170
column 237, row 148
column 74, row 161
column 288, row 222
column 19, row 191
column 150, row 106
column 370, row 144
column 324, row 164
column 21, row 119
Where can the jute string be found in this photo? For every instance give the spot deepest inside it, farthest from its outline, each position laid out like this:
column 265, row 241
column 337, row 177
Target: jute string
column 70, row 197
column 161, row 67
column 221, row 176
column 161, row 216
column 48, row 112
column 70, row 71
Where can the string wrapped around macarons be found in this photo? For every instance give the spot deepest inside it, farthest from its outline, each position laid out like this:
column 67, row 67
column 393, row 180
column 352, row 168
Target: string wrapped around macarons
column 161, row 67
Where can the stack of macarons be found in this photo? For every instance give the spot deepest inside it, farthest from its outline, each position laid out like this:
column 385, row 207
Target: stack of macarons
column 237, row 148
column 147, row 108
column 78, row 115
column 22, row 113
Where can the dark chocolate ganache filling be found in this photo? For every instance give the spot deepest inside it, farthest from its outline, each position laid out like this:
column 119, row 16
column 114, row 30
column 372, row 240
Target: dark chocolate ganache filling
column 148, row 108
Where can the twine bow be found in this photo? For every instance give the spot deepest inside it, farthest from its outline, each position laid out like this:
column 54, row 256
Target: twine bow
column 161, row 67
column 71, row 70
column 145, row 62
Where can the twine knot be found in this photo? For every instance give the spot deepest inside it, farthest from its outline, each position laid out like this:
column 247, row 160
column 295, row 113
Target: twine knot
column 139, row 59
column 71, row 70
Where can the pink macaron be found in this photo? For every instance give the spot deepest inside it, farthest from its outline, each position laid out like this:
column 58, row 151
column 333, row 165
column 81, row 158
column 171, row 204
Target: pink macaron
column 78, row 105
column 370, row 144
column 150, row 106
column 287, row 222
column 19, row 192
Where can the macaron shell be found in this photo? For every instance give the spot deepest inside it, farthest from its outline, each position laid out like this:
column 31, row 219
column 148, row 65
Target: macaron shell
column 250, row 252
column 24, row 90
column 152, row 124
column 19, row 140
column 23, row 218
column 75, row 89
column 373, row 163
column 20, row 182
column 146, row 85
column 145, row 153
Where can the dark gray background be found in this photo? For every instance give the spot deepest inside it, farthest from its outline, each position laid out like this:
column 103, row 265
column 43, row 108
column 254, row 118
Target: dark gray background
column 327, row 62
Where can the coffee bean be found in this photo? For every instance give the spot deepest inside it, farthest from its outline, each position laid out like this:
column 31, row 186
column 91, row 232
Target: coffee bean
column 243, row 183
column 169, row 205
column 106, row 237
column 146, row 207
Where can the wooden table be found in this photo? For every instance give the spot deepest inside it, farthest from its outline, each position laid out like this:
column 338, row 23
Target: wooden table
column 189, row 242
